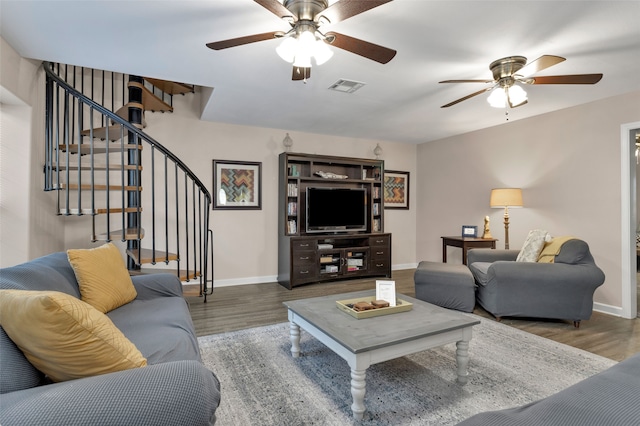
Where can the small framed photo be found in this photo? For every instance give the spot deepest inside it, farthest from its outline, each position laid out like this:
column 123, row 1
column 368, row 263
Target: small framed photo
column 469, row 231
column 237, row 185
column 386, row 290
column 396, row 189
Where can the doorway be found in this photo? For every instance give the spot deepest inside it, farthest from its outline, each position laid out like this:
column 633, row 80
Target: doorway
column 629, row 219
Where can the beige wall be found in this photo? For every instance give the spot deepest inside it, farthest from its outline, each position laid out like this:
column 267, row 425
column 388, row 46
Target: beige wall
column 29, row 227
column 566, row 162
column 245, row 241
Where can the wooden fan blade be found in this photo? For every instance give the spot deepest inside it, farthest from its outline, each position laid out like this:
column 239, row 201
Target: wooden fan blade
column 300, row 73
column 568, row 79
column 479, row 92
column 466, row 81
column 543, row 62
column 360, row 47
column 275, row 7
column 344, row 9
column 233, row 42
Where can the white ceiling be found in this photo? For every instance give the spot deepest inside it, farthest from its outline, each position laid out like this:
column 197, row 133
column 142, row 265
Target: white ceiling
column 435, row 40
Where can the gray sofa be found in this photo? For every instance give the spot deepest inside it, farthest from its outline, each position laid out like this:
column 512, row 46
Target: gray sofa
column 174, row 388
column 610, row 398
column 560, row 290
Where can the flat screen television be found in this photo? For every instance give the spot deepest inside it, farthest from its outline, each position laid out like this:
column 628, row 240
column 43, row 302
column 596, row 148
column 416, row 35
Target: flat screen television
column 336, row 210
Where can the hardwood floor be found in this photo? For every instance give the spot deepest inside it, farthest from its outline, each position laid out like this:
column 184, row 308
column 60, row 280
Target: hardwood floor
column 246, row 306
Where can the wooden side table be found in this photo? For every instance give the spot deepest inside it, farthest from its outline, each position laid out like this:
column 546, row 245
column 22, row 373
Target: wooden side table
column 465, row 243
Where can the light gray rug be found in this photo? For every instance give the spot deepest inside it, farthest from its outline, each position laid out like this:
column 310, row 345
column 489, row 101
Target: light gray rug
column 263, row 385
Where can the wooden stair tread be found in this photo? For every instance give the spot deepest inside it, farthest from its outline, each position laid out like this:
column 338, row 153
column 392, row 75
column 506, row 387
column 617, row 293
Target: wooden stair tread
column 171, row 87
column 150, row 101
column 130, row 234
column 182, row 274
column 99, row 211
column 96, row 167
column 123, row 112
column 146, row 256
column 101, row 187
column 100, row 149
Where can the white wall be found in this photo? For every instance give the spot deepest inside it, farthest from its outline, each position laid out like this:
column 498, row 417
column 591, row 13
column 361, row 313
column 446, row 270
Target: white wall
column 29, row 225
column 566, row 162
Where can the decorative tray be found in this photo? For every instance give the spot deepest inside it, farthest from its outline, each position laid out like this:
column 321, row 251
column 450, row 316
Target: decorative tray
column 401, row 306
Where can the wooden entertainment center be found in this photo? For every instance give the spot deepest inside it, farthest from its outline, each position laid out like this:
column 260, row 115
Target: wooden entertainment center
column 310, row 252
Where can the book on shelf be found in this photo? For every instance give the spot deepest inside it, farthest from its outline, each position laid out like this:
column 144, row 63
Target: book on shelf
column 292, row 226
column 292, row 208
column 376, row 208
column 376, row 225
column 376, row 192
column 292, row 190
column 326, row 259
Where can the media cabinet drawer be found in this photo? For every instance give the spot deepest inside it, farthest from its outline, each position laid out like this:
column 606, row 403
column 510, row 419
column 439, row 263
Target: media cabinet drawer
column 380, row 241
column 304, row 244
column 302, row 258
column 380, row 265
column 304, row 273
column 379, row 252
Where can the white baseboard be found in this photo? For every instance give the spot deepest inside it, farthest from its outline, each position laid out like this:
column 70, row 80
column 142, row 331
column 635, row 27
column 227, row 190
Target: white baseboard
column 274, row 278
column 607, row 309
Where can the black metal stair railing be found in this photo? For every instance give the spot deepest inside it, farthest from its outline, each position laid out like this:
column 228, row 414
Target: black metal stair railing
column 94, row 159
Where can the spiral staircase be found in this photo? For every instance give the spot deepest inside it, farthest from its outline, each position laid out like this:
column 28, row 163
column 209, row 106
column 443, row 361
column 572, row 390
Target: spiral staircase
column 103, row 165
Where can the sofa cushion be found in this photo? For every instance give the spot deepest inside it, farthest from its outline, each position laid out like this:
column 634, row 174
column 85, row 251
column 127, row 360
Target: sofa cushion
column 533, row 245
column 102, row 277
column 64, row 337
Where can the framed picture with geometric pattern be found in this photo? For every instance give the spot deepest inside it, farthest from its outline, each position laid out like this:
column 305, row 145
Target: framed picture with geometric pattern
column 237, row 185
column 396, row 189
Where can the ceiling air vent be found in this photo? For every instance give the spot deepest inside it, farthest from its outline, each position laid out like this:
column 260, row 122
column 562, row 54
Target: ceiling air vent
column 346, row 86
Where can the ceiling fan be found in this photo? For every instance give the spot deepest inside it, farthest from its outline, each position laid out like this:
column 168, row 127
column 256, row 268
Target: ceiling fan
column 304, row 40
column 514, row 69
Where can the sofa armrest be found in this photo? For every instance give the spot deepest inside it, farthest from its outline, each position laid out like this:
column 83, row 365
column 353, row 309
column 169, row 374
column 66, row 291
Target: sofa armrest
column 157, row 285
column 490, row 255
column 551, row 278
column 173, row 393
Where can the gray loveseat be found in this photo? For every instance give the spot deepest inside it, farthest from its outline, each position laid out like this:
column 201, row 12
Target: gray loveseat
column 174, row 388
column 610, row 398
column 560, row 290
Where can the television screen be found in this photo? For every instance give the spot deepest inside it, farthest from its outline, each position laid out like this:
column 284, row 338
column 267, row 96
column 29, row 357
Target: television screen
column 336, row 210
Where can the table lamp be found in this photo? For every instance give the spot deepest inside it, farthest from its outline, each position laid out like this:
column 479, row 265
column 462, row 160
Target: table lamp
column 506, row 197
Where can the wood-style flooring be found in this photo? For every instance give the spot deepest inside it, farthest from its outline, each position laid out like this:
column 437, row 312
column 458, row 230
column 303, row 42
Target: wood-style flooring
column 253, row 305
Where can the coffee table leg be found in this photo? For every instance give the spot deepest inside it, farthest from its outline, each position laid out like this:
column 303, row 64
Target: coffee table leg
column 462, row 358
column 358, row 385
column 294, row 335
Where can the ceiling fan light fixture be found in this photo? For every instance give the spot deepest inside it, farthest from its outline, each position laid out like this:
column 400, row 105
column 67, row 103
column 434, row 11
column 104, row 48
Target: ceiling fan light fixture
column 515, row 95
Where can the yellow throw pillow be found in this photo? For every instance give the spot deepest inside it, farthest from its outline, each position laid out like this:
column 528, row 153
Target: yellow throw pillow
column 102, row 277
column 64, row 337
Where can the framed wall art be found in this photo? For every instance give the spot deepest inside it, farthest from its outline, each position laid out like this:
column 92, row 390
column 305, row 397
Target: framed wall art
column 237, row 185
column 396, row 189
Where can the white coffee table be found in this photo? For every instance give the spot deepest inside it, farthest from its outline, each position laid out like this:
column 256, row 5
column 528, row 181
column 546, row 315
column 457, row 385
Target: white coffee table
column 363, row 342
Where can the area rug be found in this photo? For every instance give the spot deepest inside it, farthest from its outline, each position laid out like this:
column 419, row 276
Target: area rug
column 262, row 384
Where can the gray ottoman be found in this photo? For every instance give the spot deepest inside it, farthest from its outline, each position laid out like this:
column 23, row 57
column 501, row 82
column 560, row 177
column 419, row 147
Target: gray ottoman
column 444, row 284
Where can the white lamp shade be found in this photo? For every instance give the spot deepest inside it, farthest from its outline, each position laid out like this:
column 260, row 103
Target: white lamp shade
column 287, row 49
column 497, row 98
column 517, row 95
column 506, row 197
column 321, row 53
